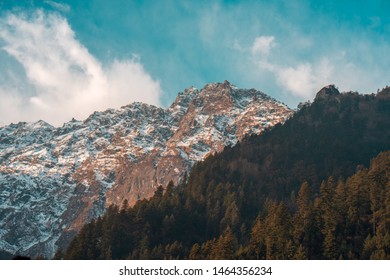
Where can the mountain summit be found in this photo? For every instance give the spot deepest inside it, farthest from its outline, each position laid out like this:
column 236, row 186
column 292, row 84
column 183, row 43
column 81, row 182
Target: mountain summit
column 53, row 180
column 327, row 91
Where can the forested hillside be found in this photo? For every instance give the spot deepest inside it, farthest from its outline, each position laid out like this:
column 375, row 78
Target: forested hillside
column 300, row 190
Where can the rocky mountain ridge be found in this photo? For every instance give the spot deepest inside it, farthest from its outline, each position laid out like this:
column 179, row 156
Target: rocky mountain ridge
column 53, row 180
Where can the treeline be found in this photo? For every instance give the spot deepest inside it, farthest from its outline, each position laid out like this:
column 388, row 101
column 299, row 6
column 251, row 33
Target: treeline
column 279, row 195
column 345, row 220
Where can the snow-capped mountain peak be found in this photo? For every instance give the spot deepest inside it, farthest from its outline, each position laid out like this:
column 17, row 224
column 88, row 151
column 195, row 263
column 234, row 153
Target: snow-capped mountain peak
column 53, row 180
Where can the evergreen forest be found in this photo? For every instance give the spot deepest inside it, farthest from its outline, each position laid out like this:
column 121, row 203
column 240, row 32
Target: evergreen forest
column 316, row 187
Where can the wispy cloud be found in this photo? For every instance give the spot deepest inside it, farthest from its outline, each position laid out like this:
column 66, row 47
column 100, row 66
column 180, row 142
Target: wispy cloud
column 64, row 79
column 262, row 45
column 59, row 6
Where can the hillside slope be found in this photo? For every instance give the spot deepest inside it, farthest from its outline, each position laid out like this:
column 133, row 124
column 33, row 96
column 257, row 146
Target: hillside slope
column 249, row 200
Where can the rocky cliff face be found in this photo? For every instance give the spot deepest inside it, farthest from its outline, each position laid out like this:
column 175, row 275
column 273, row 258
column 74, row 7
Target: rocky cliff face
column 53, row 180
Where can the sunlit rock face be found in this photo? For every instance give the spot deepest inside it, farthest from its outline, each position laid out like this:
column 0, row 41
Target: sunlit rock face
column 53, row 180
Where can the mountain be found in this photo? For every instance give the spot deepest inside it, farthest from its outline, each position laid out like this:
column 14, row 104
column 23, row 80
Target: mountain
column 298, row 190
column 54, row 180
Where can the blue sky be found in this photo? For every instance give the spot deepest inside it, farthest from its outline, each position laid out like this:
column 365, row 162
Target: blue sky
column 64, row 59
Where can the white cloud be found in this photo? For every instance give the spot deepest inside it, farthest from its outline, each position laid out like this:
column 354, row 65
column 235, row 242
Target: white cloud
column 305, row 78
column 301, row 80
column 64, row 79
column 262, row 45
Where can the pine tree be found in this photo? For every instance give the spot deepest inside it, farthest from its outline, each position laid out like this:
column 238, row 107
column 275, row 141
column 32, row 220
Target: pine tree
column 358, row 214
column 301, row 253
column 330, row 218
column 278, row 232
column 303, row 213
column 231, row 217
column 256, row 241
column 226, row 246
column 195, row 253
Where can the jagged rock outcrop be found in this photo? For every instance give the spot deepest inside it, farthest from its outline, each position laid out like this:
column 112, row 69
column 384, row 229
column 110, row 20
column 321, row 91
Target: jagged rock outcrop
column 327, row 91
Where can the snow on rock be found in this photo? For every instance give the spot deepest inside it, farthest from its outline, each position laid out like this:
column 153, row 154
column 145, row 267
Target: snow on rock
column 53, row 180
